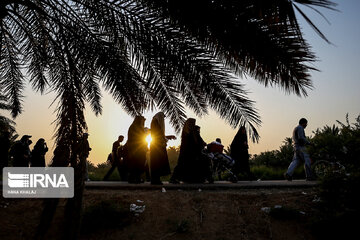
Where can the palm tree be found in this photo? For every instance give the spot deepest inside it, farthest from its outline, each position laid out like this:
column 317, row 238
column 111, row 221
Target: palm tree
column 5, row 122
column 7, row 133
column 146, row 53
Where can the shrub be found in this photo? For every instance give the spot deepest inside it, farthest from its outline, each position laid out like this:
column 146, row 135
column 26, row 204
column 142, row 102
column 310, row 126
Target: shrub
column 339, row 206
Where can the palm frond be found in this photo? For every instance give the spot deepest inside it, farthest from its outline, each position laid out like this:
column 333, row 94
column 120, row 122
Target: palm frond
column 11, row 78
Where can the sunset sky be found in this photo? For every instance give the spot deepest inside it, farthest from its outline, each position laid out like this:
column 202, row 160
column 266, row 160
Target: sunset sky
column 335, row 93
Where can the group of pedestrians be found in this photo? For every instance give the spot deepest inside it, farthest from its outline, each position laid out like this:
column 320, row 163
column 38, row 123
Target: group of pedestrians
column 130, row 158
column 23, row 157
column 193, row 165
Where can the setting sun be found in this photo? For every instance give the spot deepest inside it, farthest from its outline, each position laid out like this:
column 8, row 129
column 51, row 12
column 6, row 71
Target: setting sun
column 148, row 140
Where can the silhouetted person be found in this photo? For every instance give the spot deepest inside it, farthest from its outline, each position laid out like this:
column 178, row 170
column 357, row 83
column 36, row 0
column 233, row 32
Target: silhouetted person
column 38, row 153
column 84, row 151
column 117, row 155
column 239, row 152
column 300, row 153
column 159, row 163
column 4, row 147
column 135, row 148
column 191, row 166
column 20, row 152
column 61, row 157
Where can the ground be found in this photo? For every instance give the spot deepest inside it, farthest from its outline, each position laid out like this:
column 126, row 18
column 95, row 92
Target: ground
column 175, row 214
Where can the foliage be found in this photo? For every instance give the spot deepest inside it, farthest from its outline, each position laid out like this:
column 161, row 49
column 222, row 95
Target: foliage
column 8, row 134
column 276, row 158
column 148, row 53
column 335, row 143
column 97, row 173
column 270, row 173
column 339, row 206
column 6, row 124
column 338, row 143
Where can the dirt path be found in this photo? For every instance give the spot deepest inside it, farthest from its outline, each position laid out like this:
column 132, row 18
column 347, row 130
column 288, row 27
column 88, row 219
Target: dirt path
column 175, row 214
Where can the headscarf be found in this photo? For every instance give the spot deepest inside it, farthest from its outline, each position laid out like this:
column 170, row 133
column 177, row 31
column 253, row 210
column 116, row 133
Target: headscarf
column 40, row 143
column 139, row 121
column 189, row 126
column 240, row 138
column 159, row 117
column 136, row 130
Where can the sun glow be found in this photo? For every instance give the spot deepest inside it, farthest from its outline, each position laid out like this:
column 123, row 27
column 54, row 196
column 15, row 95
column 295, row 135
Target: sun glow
column 148, row 140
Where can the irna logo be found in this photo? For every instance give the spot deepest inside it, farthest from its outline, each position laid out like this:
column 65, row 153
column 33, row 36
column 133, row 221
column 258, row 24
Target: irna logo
column 37, row 180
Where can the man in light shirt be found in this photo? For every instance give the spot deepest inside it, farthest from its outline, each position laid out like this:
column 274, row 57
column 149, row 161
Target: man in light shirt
column 300, row 153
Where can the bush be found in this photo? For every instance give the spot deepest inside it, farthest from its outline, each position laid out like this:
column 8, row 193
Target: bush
column 97, row 173
column 339, row 207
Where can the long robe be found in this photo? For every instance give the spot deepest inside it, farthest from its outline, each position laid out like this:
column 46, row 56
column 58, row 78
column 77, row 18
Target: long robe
column 191, row 166
column 159, row 162
column 136, row 148
column 38, row 155
column 239, row 152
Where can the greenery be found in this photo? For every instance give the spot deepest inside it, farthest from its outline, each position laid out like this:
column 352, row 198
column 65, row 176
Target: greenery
column 276, row 158
column 339, row 209
column 338, row 143
column 333, row 143
column 8, row 133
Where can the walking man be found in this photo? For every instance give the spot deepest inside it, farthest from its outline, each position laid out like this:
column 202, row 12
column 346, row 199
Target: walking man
column 300, row 153
column 117, row 159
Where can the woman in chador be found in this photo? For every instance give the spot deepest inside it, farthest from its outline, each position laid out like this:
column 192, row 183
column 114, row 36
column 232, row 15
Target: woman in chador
column 239, row 152
column 159, row 163
column 38, row 153
column 135, row 150
column 191, row 166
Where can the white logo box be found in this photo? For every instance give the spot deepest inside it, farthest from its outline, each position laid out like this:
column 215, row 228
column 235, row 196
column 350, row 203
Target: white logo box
column 38, row 182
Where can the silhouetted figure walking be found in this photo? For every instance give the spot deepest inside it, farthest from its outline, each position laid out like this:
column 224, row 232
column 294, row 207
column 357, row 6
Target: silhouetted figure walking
column 20, row 152
column 135, row 150
column 117, row 161
column 239, row 152
column 38, row 154
column 192, row 166
column 300, row 153
column 159, row 163
column 84, row 151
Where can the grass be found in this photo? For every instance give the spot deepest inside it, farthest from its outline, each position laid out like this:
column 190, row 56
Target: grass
column 269, row 173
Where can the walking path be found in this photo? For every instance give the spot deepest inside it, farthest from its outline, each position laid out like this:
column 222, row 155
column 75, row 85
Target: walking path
column 218, row 185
